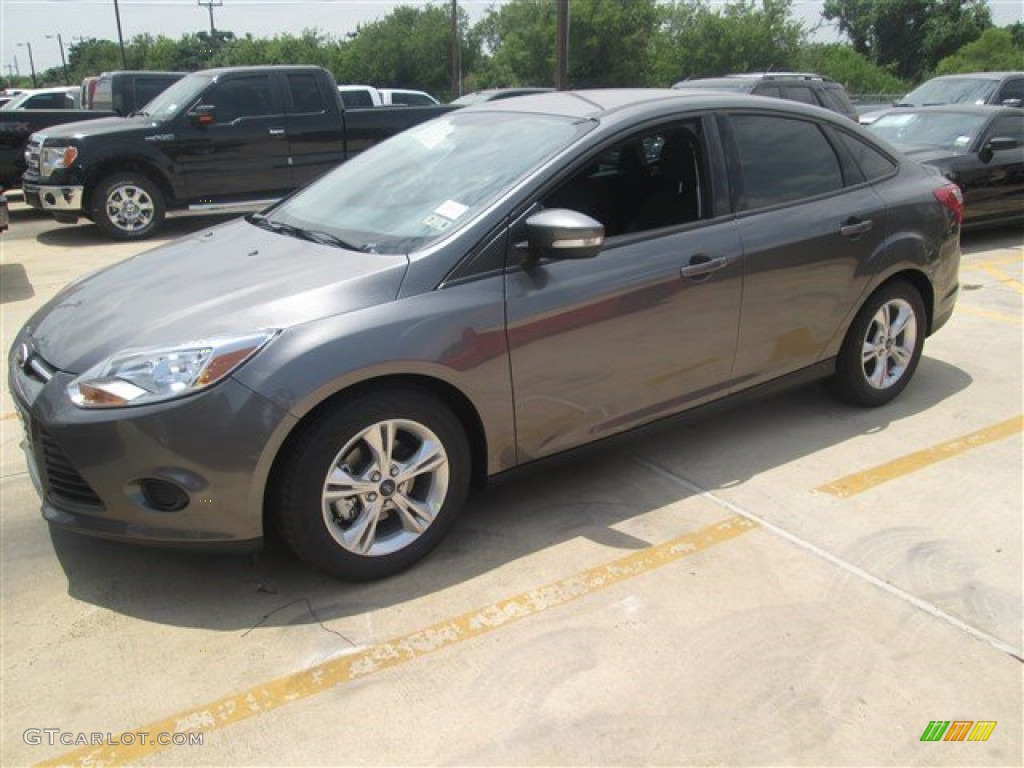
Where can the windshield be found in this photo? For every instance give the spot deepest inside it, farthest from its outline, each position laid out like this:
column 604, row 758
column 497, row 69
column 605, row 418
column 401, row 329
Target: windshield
column 179, row 96
column 956, row 90
column 954, row 131
column 426, row 182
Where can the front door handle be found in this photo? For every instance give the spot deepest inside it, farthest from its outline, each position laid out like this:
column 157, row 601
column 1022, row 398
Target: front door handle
column 276, row 131
column 702, row 266
column 854, row 227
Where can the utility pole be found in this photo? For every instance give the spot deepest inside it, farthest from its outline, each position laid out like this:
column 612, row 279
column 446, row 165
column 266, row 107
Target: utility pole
column 63, row 60
column 562, row 45
column 209, row 6
column 120, row 36
column 456, row 53
column 31, row 63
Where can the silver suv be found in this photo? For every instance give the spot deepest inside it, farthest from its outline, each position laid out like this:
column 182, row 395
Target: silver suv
column 806, row 88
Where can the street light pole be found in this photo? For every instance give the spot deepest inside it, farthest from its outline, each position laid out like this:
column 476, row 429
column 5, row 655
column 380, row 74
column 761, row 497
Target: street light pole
column 120, row 37
column 31, row 63
column 209, row 6
column 63, row 60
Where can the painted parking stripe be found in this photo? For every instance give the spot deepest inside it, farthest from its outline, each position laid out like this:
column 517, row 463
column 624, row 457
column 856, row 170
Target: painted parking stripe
column 859, row 482
column 1003, row 277
column 990, row 314
column 274, row 694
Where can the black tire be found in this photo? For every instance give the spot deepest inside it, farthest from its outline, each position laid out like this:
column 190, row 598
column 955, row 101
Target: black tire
column 321, row 521
column 128, row 206
column 877, row 360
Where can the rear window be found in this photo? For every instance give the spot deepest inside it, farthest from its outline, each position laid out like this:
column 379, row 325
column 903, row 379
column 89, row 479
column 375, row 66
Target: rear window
column 356, row 98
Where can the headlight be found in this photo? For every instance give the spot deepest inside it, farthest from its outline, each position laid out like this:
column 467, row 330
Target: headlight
column 143, row 376
column 55, row 158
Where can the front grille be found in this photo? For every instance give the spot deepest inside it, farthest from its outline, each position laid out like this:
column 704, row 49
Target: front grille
column 32, row 155
column 62, row 480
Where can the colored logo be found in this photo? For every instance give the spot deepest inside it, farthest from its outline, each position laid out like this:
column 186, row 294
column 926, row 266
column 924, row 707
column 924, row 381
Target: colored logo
column 958, row 730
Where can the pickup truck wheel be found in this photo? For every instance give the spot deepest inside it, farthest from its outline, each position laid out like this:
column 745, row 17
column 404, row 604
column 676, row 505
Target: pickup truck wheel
column 128, row 206
column 882, row 347
column 372, row 486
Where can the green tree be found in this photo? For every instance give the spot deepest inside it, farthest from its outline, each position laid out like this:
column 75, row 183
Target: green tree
column 909, row 37
column 695, row 40
column 843, row 64
column 410, row 48
column 609, row 43
column 994, row 51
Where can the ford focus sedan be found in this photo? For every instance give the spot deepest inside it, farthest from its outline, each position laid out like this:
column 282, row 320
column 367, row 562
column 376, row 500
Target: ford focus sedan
column 482, row 291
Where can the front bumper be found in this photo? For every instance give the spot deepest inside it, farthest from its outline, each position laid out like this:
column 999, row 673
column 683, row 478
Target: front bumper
column 54, row 198
column 94, row 468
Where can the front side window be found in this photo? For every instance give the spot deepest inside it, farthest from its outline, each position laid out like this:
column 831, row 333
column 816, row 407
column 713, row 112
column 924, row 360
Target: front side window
column 248, row 96
column 652, row 180
column 781, row 160
column 1012, row 89
column 428, row 181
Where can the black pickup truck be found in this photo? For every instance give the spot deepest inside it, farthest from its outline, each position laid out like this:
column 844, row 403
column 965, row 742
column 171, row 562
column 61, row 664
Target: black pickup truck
column 124, row 93
column 220, row 138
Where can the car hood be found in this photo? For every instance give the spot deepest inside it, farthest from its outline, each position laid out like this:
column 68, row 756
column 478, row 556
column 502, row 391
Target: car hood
column 100, row 127
column 233, row 279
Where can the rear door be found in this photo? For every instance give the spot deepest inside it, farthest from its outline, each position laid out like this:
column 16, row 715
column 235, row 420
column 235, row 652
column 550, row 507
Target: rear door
column 315, row 132
column 646, row 328
column 809, row 224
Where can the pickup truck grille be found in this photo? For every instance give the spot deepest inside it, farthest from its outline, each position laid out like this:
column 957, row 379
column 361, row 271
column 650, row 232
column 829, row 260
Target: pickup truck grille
column 32, row 155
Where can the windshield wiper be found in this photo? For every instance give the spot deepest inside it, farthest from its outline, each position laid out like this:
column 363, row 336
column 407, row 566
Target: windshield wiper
column 312, row 235
column 139, row 113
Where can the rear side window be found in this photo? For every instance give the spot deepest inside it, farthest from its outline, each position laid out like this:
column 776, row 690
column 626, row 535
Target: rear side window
column 147, row 88
column 872, row 163
column 1012, row 89
column 781, row 160
column 356, row 98
column 772, row 91
column 305, row 93
column 800, row 93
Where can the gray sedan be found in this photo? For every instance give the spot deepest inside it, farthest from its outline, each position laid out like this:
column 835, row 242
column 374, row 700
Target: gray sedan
column 501, row 284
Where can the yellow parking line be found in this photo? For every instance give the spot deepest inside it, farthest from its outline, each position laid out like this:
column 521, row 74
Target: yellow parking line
column 1004, row 278
column 990, row 314
column 1001, row 261
column 8, row 415
column 128, row 748
column 851, row 485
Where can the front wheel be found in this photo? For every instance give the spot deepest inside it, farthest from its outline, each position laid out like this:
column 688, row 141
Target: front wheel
column 372, row 486
column 128, row 206
column 882, row 347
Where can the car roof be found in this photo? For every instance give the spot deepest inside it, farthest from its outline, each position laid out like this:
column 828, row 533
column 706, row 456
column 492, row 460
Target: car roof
column 629, row 103
column 980, row 75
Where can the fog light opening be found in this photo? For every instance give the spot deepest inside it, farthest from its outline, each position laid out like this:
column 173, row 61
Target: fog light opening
column 163, row 496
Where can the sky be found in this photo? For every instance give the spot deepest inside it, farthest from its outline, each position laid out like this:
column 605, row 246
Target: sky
column 29, row 22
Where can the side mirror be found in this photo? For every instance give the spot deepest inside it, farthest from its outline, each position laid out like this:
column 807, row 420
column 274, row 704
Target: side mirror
column 559, row 233
column 1012, row 102
column 203, row 114
column 997, row 144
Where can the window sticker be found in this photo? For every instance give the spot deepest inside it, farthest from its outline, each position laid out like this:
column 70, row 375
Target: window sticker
column 450, row 209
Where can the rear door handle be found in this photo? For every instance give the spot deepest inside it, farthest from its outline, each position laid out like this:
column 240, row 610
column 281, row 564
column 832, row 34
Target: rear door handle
column 276, row 131
column 854, row 227
column 702, row 266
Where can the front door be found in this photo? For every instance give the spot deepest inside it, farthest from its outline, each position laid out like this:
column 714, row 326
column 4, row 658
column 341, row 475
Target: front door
column 646, row 328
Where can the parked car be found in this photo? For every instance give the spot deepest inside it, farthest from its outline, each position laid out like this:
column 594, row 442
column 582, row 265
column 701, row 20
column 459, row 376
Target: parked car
column 220, row 138
column 359, row 96
column 497, row 94
column 401, row 97
column 793, row 86
column 1006, row 88
column 5, row 213
column 44, row 98
column 980, row 148
column 489, row 288
column 124, row 92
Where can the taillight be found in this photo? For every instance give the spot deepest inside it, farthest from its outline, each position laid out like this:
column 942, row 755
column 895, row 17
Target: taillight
column 951, row 197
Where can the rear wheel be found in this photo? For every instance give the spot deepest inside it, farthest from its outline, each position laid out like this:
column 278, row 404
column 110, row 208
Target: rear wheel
column 882, row 347
column 128, row 206
column 373, row 485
